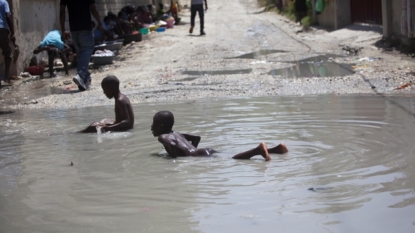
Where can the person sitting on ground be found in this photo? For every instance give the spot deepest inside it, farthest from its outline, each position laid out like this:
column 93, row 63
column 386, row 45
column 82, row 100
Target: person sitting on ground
column 129, row 9
column 103, row 35
column 127, row 14
column 143, row 15
column 124, row 115
column 160, row 15
column 125, row 25
column 152, row 9
column 114, row 24
column 54, row 45
column 178, row 144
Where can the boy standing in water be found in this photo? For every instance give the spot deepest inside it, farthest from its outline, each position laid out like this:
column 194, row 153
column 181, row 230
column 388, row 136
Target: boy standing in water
column 177, row 144
column 124, row 115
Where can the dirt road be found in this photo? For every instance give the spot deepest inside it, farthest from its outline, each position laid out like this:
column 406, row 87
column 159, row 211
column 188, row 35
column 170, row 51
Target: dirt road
column 175, row 65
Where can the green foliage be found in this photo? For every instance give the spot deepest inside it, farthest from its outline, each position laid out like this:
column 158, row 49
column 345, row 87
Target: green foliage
column 306, row 22
column 289, row 11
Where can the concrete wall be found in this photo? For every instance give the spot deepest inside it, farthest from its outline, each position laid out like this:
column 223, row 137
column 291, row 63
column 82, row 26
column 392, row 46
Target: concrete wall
column 327, row 18
column 391, row 16
column 33, row 19
column 343, row 14
column 336, row 15
column 396, row 17
column 115, row 5
column 37, row 18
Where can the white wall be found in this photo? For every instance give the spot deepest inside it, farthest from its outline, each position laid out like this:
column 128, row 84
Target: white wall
column 33, row 19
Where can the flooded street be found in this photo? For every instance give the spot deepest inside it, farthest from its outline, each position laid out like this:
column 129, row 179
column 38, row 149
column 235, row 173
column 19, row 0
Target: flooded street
column 248, row 52
column 348, row 121
column 350, row 168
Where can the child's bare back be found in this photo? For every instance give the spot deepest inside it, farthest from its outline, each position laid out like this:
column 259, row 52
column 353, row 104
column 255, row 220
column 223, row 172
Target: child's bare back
column 177, row 144
column 124, row 114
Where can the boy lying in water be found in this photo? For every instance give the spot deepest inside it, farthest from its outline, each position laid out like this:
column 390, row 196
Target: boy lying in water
column 177, row 144
column 124, row 115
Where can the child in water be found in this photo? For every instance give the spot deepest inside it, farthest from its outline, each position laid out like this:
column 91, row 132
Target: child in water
column 177, row 144
column 124, row 115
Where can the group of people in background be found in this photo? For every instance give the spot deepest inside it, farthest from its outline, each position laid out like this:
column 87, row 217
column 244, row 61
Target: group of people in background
column 84, row 34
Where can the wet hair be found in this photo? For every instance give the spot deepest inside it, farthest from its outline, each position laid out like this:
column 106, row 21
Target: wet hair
column 166, row 118
column 111, row 81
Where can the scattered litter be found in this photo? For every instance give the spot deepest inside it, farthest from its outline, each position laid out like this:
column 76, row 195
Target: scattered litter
column 359, row 67
column 71, row 163
column 67, row 82
column 369, row 59
column 258, row 62
column 25, row 75
column 404, row 86
column 352, row 50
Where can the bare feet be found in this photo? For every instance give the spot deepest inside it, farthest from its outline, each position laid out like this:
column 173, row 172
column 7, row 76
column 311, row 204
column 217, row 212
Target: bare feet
column 280, row 149
column 264, row 151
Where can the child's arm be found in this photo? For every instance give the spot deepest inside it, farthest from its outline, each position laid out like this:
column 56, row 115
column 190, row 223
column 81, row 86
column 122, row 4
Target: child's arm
column 123, row 119
column 193, row 139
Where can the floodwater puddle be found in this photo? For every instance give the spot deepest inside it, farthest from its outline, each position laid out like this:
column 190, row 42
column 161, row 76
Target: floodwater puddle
column 320, row 66
column 124, row 181
column 216, row 72
column 257, row 54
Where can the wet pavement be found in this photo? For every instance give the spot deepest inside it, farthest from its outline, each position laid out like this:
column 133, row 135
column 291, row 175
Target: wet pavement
column 216, row 72
column 257, row 54
column 319, row 66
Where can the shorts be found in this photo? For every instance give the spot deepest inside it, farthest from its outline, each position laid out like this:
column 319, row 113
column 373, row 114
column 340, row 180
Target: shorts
column 5, row 42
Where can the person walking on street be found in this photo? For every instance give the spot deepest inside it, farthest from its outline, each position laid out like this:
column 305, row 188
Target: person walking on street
column 80, row 25
column 197, row 7
column 6, row 36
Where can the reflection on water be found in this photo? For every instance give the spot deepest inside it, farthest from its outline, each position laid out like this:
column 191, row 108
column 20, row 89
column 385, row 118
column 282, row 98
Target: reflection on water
column 320, row 66
column 355, row 153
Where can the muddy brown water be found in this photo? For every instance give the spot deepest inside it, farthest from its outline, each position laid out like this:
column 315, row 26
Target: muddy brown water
column 351, row 168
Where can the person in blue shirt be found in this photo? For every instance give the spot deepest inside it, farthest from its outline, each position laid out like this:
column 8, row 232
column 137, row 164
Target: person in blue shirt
column 6, row 36
column 54, row 45
column 105, row 34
